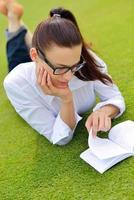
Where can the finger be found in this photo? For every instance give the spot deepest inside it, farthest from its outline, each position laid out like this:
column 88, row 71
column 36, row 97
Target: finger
column 37, row 70
column 40, row 74
column 49, row 81
column 88, row 123
column 101, row 123
column 44, row 77
column 95, row 127
column 44, row 84
column 107, row 123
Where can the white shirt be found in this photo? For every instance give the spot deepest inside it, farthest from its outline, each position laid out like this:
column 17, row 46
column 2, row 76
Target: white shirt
column 41, row 111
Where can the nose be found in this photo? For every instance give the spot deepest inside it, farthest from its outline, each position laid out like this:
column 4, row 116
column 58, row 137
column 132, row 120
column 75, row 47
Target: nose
column 68, row 75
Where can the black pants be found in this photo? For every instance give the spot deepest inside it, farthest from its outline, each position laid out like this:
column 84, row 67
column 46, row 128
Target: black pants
column 17, row 51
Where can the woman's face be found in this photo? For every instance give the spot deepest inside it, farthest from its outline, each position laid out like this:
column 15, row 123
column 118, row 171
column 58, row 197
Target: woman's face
column 60, row 57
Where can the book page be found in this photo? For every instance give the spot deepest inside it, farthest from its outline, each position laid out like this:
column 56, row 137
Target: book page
column 104, row 148
column 101, row 165
column 123, row 134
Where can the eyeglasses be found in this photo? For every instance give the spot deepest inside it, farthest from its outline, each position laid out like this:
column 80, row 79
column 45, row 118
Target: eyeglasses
column 62, row 70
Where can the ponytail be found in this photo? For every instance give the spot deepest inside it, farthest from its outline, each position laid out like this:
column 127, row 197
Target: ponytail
column 92, row 70
column 62, row 29
column 64, row 13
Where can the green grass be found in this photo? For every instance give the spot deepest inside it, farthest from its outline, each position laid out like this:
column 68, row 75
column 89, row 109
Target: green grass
column 33, row 169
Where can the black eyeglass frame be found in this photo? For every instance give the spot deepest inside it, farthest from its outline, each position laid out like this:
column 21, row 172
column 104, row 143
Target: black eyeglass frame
column 76, row 67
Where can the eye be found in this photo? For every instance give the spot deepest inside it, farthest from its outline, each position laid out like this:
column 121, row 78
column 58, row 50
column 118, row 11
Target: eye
column 61, row 70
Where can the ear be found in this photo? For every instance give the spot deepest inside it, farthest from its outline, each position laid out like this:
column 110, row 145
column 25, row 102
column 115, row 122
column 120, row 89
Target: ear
column 33, row 54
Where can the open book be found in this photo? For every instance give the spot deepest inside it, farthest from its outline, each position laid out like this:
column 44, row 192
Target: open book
column 104, row 153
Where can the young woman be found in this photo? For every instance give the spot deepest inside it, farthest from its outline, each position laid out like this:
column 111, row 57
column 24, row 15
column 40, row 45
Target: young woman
column 62, row 80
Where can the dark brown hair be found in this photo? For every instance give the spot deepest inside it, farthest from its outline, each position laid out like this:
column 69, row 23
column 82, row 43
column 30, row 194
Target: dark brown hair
column 64, row 31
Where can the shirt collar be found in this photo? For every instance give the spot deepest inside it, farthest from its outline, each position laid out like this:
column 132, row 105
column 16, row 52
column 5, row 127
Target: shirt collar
column 76, row 83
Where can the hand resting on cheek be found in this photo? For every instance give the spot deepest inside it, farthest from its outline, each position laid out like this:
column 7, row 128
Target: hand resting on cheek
column 45, row 82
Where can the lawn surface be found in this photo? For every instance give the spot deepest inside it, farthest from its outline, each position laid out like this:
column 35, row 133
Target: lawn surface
column 33, row 169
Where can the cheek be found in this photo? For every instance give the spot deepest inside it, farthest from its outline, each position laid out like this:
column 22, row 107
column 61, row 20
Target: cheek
column 55, row 77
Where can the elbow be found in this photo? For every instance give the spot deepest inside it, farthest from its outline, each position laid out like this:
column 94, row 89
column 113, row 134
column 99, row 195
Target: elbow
column 63, row 141
column 60, row 143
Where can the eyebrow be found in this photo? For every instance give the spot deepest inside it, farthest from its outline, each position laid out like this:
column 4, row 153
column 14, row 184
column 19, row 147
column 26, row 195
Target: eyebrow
column 57, row 63
column 67, row 65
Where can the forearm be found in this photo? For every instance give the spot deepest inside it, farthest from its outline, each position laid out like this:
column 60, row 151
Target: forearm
column 110, row 110
column 67, row 112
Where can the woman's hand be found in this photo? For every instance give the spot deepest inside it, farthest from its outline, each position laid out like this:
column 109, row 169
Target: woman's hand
column 98, row 121
column 45, row 82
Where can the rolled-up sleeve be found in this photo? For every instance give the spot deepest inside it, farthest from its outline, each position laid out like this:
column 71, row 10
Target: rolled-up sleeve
column 38, row 116
column 109, row 94
column 62, row 133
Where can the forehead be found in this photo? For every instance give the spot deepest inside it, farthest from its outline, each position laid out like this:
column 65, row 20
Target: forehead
column 64, row 55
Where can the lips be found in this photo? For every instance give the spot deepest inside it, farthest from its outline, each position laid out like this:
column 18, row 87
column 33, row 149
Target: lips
column 62, row 84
